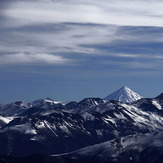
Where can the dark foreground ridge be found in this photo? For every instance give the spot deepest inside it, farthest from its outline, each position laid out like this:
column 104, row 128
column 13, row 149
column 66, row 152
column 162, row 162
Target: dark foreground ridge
column 40, row 159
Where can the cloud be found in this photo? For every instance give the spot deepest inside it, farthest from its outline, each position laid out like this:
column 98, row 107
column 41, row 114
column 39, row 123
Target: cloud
column 129, row 55
column 118, row 12
column 88, row 45
column 82, row 31
column 56, row 38
column 32, row 59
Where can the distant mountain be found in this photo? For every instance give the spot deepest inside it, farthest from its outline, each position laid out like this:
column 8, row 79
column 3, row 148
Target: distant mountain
column 84, row 105
column 14, row 108
column 124, row 94
column 22, row 108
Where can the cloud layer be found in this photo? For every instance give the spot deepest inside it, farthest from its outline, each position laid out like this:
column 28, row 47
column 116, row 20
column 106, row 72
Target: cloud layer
column 123, row 33
column 118, row 12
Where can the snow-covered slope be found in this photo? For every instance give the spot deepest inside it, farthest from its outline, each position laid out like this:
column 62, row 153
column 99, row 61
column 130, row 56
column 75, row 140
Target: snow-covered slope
column 4, row 121
column 124, row 94
column 139, row 148
column 150, row 104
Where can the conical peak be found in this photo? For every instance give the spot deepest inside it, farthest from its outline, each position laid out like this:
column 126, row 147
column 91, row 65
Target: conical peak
column 124, row 89
column 124, row 94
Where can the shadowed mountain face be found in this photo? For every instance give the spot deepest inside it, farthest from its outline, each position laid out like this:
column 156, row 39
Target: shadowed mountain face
column 142, row 148
column 139, row 148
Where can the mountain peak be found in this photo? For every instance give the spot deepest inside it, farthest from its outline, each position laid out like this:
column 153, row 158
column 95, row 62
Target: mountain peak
column 124, row 94
column 125, row 88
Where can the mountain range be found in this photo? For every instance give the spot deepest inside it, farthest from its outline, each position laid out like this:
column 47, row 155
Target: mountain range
column 124, row 128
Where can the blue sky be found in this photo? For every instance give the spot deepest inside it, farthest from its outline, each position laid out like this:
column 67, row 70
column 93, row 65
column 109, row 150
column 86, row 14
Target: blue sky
column 69, row 49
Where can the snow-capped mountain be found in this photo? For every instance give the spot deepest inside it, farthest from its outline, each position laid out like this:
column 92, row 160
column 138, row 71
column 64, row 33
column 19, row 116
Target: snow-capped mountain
column 75, row 125
column 14, row 108
column 124, row 94
column 20, row 108
column 84, row 105
column 48, row 127
column 43, row 102
column 150, row 104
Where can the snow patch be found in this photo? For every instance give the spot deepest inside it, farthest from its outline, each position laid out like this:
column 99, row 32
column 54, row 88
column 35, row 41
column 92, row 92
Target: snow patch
column 24, row 128
column 40, row 125
column 88, row 117
column 52, row 128
column 110, row 119
column 6, row 119
column 156, row 103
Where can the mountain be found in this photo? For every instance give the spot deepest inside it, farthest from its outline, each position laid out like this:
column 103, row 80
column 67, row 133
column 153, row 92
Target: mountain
column 150, row 104
column 124, row 94
column 44, row 103
column 92, row 128
column 61, row 129
column 139, row 148
column 84, row 105
column 1, row 106
column 14, row 108
column 22, row 108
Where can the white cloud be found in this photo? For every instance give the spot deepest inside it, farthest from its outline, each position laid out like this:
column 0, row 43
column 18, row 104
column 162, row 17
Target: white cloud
column 69, row 40
column 119, row 12
column 78, row 38
column 128, row 55
column 32, row 59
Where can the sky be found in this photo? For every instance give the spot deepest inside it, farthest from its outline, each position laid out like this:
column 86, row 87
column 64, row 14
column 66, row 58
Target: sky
column 68, row 49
